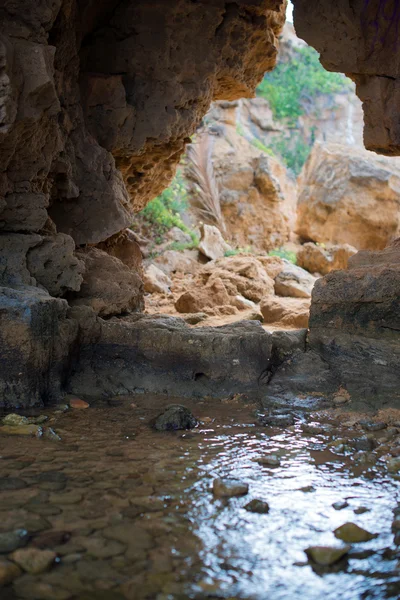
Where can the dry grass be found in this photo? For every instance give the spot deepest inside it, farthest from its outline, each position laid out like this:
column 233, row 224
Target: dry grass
column 201, row 171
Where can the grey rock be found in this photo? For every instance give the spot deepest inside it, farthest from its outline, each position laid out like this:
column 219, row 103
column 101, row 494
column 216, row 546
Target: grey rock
column 11, row 540
column 257, row 506
column 227, row 488
column 175, row 417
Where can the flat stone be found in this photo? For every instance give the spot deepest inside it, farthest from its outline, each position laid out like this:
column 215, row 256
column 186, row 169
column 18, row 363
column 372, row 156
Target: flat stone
column 12, row 483
column 102, row 548
column 353, row 534
column 371, row 426
column 257, row 506
column 126, row 533
column 361, row 510
column 270, row 460
column 67, row 498
column 78, row 403
column 326, row 555
column 29, row 588
column 227, row 488
column 21, row 430
column 14, row 420
column 175, row 417
column 340, row 505
column 8, row 572
column 33, row 560
column 11, row 540
column 393, row 465
column 278, row 420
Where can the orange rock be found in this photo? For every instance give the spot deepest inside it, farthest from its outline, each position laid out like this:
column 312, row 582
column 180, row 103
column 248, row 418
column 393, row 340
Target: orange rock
column 78, row 403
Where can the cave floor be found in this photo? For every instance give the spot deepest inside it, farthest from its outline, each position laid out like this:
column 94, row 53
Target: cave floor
column 131, row 515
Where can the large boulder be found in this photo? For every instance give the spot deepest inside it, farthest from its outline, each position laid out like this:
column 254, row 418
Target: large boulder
column 285, row 312
column 196, row 300
column 324, row 259
column 349, row 198
column 109, row 287
column 172, row 261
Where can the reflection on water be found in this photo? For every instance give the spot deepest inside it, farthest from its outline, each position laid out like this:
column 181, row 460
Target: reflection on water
column 140, row 521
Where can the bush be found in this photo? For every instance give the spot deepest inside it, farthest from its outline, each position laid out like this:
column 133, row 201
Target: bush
column 293, row 150
column 282, row 253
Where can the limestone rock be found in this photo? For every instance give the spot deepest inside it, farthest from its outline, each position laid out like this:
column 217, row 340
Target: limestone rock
column 287, row 312
column 196, row 300
column 294, row 281
column 156, row 281
column 175, row 417
column 173, row 261
column 349, row 198
column 159, row 353
column 323, row 260
column 109, row 287
column 212, row 244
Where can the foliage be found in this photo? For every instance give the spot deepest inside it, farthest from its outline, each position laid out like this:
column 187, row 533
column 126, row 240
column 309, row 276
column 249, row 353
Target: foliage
column 164, row 212
column 260, row 146
column 201, row 171
column 236, row 251
column 293, row 150
column 282, row 253
column 293, row 83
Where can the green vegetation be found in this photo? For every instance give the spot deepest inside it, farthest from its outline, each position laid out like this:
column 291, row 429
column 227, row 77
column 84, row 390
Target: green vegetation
column 293, row 150
column 293, row 83
column 236, row 251
column 164, row 212
column 282, row 253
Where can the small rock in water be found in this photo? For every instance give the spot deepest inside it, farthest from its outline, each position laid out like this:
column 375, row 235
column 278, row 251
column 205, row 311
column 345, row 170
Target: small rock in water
column 340, row 400
column 14, row 420
column 285, row 420
column 326, row 555
column 50, row 434
column 365, row 443
column 257, row 506
column 371, row 426
column 21, row 430
column 38, row 420
column 361, row 510
column 270, row 460
column 393, row 465
column 340, row 505
column 227, row 488
column 78, row 403
column 33, row 560
column 307, row 489
column 352, row 534
column 175, row 417
column 11, row 540
column 8, row 572
column 11, row 483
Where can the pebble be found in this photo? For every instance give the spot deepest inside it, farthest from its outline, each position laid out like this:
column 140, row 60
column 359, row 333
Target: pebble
column 257, row 506
column 269, row 460
column 340, row 505
column 326, row 555
column 78, row 403
column 339, row 400
column 175, row 417
column 227, row 488
column 8, row 572
column 353, row 534
column 361, row 510
column 11, row 540
column 33, row 560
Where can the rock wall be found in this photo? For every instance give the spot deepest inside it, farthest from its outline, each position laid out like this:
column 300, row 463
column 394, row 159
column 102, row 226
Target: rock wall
column 97, row 102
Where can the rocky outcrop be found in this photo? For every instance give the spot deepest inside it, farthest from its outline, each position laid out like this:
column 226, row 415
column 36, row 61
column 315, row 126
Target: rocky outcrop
column 324, row 259
column 349, row 198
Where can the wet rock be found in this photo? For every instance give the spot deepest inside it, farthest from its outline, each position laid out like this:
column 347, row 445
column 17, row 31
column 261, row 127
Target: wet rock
column 371, row 426
column 227, row 488
column 72, row 497
column 38, row 420
column 271, row 460
column 365, row 443
column 50, row 434
column 29, row 588
column 285, row 420
column 396, row 525
column 8, row 572
column 175, row 417
column 326, row 555
column 21, row 430
column 15, row 420
column 307, row 489
column 11, row 540
column 52, row 480
column 50, row 539
column 11, row 483
column 33, row 560
column 361, row 510
column 257, row 506
column 340, row 505
column 352, row 533
column 393, row 465
column 78, row 403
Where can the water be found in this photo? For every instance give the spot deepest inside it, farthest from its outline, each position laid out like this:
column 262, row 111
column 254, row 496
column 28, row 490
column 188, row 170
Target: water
column 140, row 521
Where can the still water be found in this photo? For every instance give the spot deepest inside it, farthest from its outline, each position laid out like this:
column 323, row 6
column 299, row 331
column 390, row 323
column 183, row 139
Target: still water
column 131, row 515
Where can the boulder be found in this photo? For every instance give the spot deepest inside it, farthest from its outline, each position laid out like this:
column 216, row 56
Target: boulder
column 156, row 281
column 323, row 260
column 212, row 244
column 294, row 281
column 162, row 353
column 286, row 312
column 109, row 287
column 175, row 417
column 172, row 261
column 349, row 198
column 125, row 247
column 209, row 296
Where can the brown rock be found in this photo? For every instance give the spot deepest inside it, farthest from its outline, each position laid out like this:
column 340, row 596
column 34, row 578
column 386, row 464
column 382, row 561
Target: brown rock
column 349, row 198
column 33, row 560
column 323, row 260
column 208, row 296
column 156, row 281
column 78, row 403
column 173, row 261
column 125, row 247
column 109, row 287
column 8, row 572
column 287, row 312
column 294, row 281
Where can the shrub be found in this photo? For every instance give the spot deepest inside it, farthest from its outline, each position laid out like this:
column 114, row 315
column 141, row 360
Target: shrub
column 282, row 253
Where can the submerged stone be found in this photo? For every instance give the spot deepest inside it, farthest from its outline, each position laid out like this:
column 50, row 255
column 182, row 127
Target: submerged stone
column 14, row 420
column 285, row 420
column 340, row 505
column 270, row 460
column 175, row 417
column 257, row 506
column 352, row 534
column 11, row 540
column 326, row 555
column 33, row 560
column 8, row 572
column 29, row 429
column 227, row 488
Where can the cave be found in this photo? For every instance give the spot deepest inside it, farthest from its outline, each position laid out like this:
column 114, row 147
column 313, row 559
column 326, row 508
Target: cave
column 98, row 101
